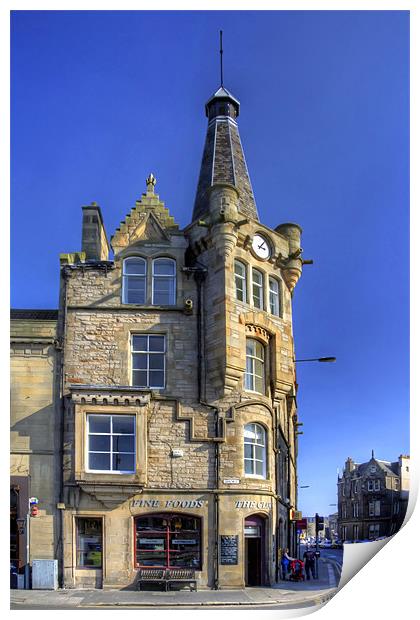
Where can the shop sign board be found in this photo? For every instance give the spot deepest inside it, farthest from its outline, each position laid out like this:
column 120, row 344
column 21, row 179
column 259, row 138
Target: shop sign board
column 229, row 549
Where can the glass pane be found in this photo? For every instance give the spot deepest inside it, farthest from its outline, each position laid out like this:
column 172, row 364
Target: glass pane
column 99, row 461
column 123, row 462
column 240, row 292
column 250, row 346
column 259, row 385
column 139, row 361
column 240, row 269
column 99, row 443
column 249, row 467
column 140, row 378
column 99, row 423
column 139, row 343
column 156, row 378
column 256, row 277
column 163, row 292
column 249, row 382
column 259, row 350
column 156, row 361
column 123, row 443
column 259, row 432
column 92, row 558
column 151, row 523
column 274, row 286
column 135, row 266
column 157, row 343
column 249, row 432
column 259, row 453
column 248, row 451
column 163, row 266
column 259, row 468
column 151, row 558
column 135, row 296
column 123, row 424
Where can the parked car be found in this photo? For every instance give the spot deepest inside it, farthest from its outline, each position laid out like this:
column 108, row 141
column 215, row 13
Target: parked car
column 327, row 544
column 337, row 544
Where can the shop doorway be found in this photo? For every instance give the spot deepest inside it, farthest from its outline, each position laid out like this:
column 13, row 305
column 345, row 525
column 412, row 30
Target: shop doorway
column 254, row 537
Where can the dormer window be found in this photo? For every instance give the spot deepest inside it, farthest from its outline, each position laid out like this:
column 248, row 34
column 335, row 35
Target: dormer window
column 149, row 282
column 134, row 280
column 163, row 282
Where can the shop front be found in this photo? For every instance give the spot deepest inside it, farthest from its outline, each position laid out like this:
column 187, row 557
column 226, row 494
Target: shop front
column 227, row 540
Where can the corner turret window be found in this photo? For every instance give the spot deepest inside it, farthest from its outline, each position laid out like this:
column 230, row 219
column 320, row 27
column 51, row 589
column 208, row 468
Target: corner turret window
column 257, row 289
column 274, row 296
column 164, row 282
column 134, row 280
column 255, row 451
column 255, row 366
column 240, row 281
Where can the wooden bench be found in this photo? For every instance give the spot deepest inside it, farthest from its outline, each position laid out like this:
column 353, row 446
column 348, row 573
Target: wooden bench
column 167, row 576
column 151, row 575
column 181, row 575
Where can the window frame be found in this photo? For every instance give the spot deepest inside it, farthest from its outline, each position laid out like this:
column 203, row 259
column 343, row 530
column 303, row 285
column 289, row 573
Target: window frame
column 125, row 277
column 276, row 281
column 253, row 360
column 169, row 277
column 121, row 472
column 148, row 352
column 255, row 445
column 261, row 288
column 243, row 278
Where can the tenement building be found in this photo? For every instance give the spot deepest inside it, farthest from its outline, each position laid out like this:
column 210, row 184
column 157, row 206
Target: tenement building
column 175, row 387
column 372, row 498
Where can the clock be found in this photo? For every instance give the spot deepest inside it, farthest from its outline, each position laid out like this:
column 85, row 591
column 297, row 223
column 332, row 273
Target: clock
column 261, row 247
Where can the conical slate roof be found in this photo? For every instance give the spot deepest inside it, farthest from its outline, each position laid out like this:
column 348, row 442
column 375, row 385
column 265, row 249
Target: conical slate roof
column 223, row 157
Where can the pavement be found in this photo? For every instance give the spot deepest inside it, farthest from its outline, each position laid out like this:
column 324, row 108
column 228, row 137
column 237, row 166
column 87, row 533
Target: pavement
column 284, row 593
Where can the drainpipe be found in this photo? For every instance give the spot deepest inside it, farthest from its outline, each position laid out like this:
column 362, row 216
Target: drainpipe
column 60, row 348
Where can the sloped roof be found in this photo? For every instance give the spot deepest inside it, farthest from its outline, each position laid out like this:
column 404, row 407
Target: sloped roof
column 36, row 315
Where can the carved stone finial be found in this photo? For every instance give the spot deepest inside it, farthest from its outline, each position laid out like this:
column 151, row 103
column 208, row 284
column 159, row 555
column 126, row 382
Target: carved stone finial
column 150, row 183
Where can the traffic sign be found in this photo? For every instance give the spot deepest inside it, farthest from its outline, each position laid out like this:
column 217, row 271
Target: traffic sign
column 302, row 524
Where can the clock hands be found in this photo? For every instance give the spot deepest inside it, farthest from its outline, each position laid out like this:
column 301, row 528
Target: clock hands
column 262, row 246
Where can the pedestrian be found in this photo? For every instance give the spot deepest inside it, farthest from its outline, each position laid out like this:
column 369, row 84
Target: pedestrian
column 309, row 557
column 285, row 563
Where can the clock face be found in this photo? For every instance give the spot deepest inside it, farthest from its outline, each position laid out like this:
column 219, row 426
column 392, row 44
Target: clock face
column 260, row 247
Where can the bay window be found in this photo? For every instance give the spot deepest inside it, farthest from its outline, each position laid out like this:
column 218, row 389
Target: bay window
column 111, row 443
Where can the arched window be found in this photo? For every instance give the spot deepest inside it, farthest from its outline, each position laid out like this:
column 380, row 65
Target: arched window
column 255, row 450
column 134, row 280
column 168, row 540
column 255, row 366
column 240, row 281
column 164, row 282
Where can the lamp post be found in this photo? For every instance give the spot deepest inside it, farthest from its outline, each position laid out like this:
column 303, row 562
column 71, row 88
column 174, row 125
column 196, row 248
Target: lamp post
column 317, row 359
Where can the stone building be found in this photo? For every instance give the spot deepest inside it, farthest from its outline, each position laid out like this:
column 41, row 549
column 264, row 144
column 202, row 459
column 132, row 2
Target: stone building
column 372, row 498
column 176, row 394
column 35, row 462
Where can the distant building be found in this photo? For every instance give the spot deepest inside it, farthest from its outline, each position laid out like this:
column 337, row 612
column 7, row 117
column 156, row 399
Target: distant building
column 372, row 498
column 332, row 533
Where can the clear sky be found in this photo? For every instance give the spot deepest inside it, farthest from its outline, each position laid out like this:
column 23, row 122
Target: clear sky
column 100, row 99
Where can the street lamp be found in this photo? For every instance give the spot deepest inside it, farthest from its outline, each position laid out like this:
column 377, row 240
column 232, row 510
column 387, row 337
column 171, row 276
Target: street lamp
column 317, row 359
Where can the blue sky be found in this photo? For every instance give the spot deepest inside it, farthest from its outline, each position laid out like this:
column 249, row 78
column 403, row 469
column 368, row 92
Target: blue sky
column 100, row 99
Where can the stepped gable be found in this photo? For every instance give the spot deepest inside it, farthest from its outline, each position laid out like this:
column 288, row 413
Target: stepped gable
column 223, row 160
column 148, row 222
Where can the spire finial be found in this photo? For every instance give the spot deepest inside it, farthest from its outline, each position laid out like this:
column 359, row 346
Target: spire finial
column 150, row 183
column 373, row 454
column 221, row 58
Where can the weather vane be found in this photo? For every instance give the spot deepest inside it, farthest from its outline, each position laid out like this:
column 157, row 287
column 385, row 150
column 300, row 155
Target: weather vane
column 221, row 58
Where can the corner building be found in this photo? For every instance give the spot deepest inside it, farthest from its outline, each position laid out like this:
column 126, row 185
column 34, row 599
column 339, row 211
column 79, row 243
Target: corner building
column 180, row 422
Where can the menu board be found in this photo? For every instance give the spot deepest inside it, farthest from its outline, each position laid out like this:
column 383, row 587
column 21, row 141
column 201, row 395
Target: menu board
column 229, row 549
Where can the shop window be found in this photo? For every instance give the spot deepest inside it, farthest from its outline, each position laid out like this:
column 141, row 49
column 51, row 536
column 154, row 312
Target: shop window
column 88, row 543
column 240, row 281
column 255, row 450
column 163, row 282
column 274, row 296
column 134, row 280
column 148, row 360
column 168, row 540
column 255, row 366
column 111, row 443
column 258, row 289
